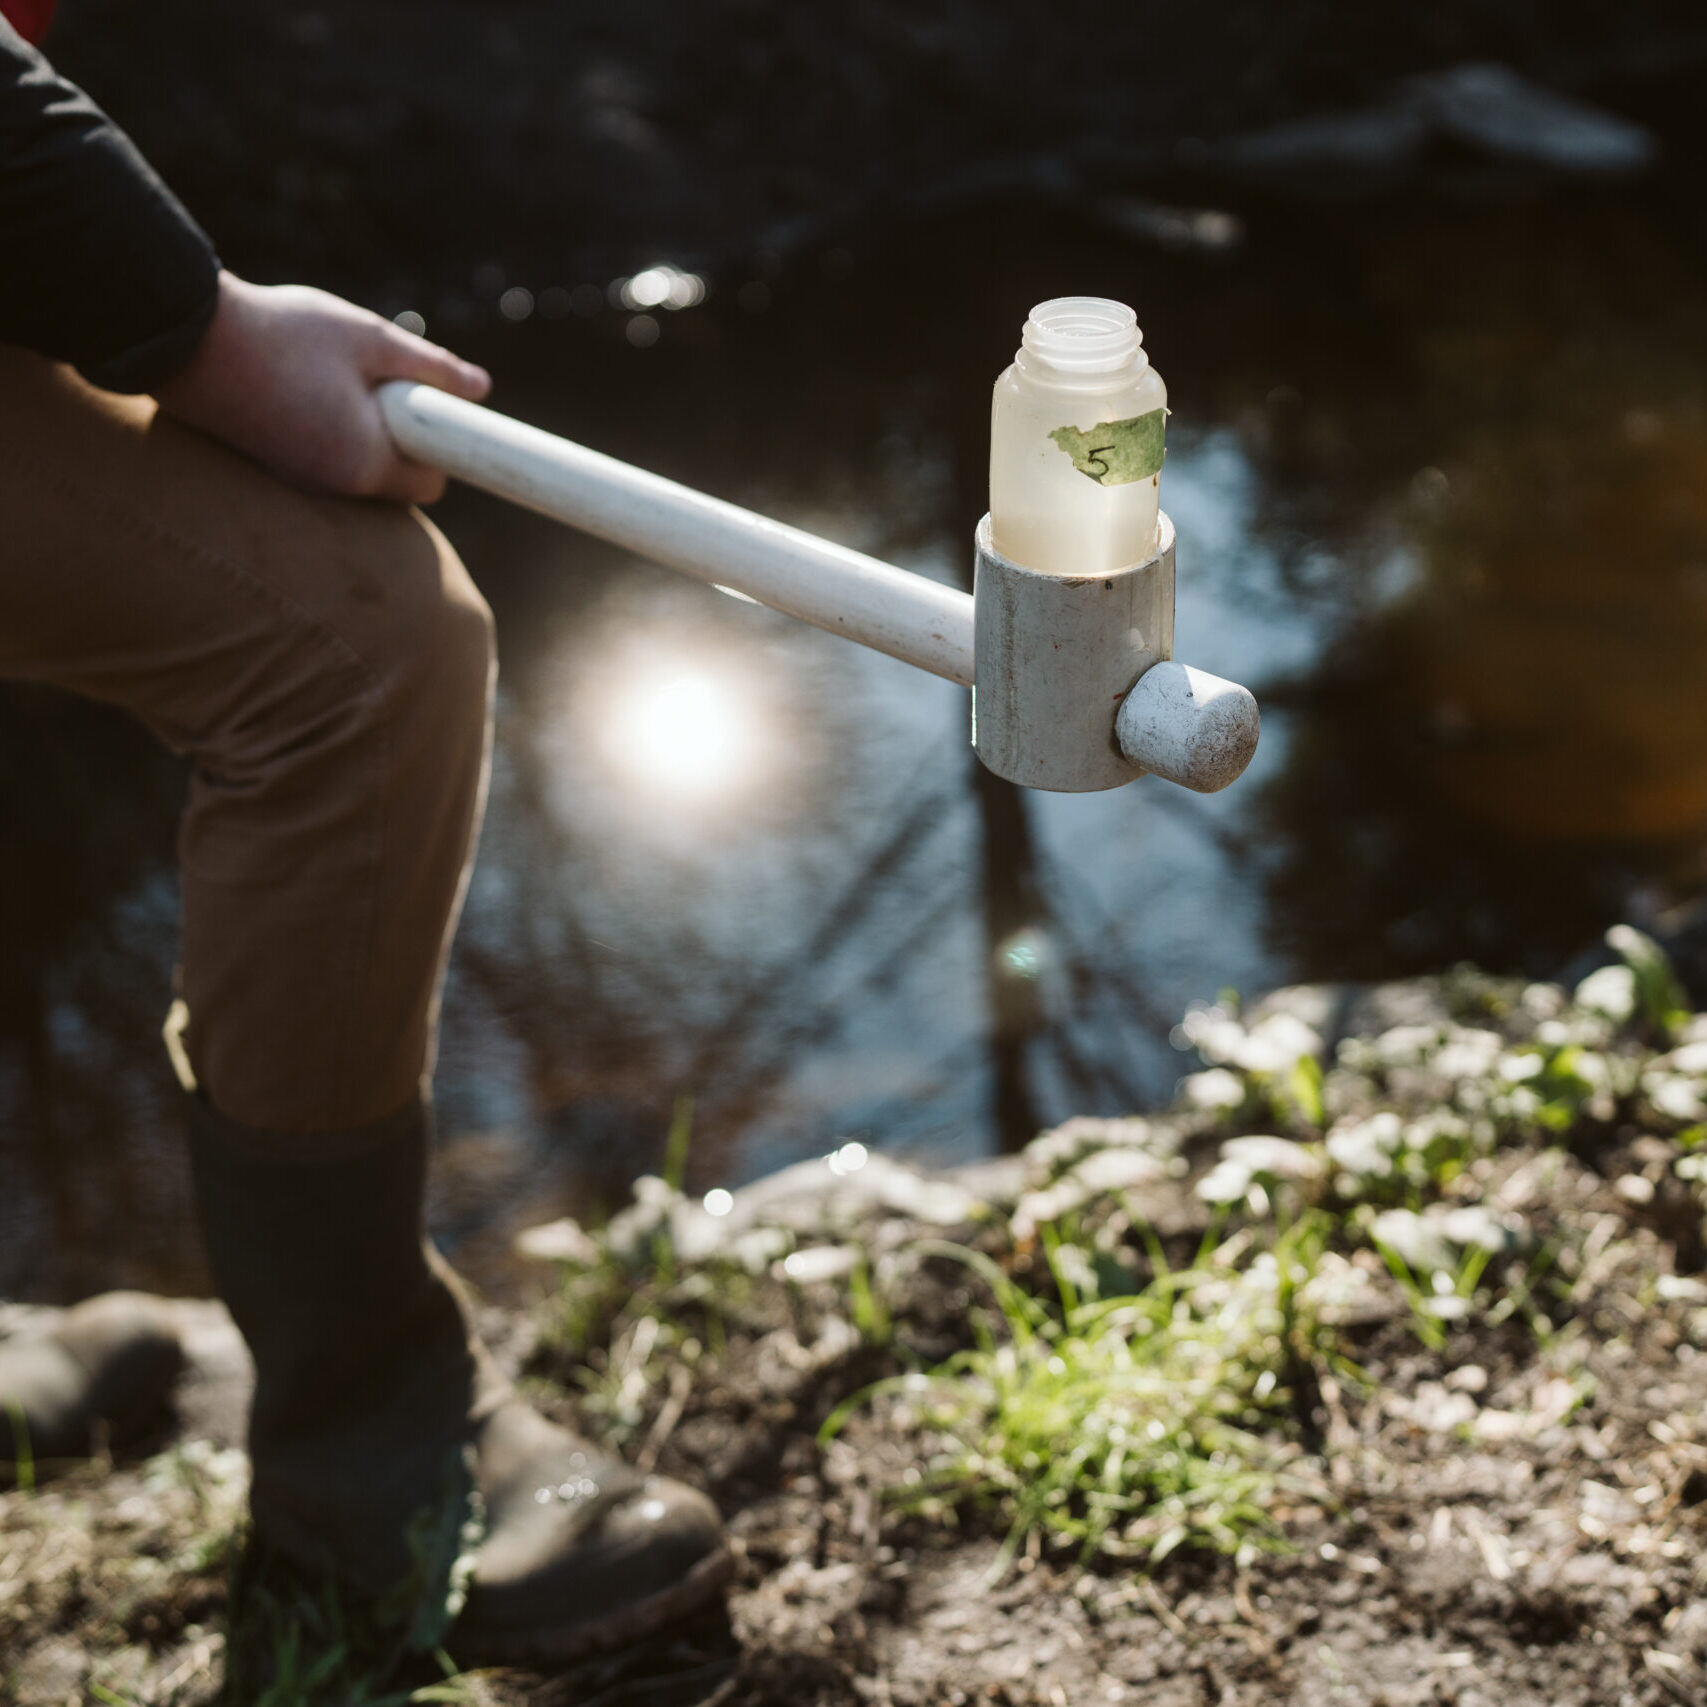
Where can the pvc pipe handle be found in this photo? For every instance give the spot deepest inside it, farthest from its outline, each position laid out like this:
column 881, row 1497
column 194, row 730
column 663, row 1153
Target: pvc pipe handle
column 860, row 598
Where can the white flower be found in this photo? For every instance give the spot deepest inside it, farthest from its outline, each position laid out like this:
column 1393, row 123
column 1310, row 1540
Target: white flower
column 1591, row 1067
column 1420, row 1134
column 1216, row 1089
column 1118, row 1170
column 1226, row 1182
column 1336, row 1290
column 1475, row 1225
column 1276, row 1044
column 1690, row 1058
column 1272, row 1045
column 1421, row 1243
column 1431, row 1241
column 1610, row 991
column 1065, row 1197
column 1277, row 1157
column 1212, row 1032
column 1674, row 1095
column 1405, row 1045
column 1062, row 1145
column 1368, row 1146
column 1514, row 1069
column 1469, row 1052
column 1634, row 946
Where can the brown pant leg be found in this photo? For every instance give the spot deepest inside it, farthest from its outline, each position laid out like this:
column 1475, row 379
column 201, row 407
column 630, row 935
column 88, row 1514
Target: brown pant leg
column 327, row 666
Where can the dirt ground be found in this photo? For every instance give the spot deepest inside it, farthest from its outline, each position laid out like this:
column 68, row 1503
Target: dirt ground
column 1514, row 1515
column 1467, row 1545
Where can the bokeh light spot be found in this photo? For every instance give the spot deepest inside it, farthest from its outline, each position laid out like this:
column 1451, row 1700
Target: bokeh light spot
column 688, row 734
column 662, row 286
column 849, row 1159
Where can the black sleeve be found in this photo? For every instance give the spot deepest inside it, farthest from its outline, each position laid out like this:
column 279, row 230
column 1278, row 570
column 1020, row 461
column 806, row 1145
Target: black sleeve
column 100, row 265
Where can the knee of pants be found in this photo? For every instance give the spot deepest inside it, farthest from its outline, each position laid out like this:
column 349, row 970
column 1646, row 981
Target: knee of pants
column 434, row 655
column 361, row 712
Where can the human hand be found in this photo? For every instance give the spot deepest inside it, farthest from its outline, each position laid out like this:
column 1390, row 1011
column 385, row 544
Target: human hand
column 287, row 374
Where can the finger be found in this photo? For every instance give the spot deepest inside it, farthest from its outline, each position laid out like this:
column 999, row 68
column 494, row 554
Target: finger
column 410, row 482
column 402, row 355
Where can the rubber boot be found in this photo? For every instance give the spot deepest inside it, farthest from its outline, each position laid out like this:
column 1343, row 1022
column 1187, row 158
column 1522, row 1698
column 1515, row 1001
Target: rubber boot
column 104, row 1368
column 373, row 1398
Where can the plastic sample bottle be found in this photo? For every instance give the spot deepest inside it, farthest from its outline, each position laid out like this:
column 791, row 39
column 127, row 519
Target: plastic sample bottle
column 1076, row 435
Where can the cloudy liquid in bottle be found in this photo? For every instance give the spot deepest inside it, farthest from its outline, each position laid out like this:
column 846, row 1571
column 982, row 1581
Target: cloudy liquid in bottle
column 1076, row 431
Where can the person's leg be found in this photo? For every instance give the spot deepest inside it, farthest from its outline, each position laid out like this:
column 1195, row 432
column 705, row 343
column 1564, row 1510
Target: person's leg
column 376, row 1405
column 327, row 666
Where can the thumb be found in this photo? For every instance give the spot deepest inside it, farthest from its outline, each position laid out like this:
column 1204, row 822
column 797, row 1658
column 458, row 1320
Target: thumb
column 401, row 355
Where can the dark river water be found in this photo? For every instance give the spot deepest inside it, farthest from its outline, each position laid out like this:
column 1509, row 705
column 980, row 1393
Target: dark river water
column 1438, row 466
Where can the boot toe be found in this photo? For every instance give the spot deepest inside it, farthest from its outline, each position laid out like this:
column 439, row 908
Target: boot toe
column 561, row 1577
column 127, row 1343
column 109, row 1360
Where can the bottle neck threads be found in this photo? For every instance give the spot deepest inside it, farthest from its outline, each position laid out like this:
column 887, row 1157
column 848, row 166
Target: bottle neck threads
column 1083, row 335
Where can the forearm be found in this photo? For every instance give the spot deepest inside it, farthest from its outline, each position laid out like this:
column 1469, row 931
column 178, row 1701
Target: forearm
column 100, row 265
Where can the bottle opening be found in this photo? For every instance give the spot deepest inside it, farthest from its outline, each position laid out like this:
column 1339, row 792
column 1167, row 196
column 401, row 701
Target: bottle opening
column 1084, row 334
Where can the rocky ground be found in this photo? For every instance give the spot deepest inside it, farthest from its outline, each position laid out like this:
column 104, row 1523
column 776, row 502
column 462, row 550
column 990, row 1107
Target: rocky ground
column 1431, row 1374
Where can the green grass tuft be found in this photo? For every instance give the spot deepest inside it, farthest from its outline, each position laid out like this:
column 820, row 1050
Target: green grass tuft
column 1126, row 1425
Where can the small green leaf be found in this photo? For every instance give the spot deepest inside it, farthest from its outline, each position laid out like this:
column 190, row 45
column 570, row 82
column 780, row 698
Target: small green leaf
column 1305, row 1084
column 676, row 1145
column 1661, row 996
column 23, row 1458
column 1115, row 453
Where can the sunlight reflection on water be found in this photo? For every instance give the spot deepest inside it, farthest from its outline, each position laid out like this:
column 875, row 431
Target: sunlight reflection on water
column 681, row 733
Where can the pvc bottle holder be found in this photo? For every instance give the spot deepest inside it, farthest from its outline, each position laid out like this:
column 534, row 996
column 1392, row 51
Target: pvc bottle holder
column 1054, row 657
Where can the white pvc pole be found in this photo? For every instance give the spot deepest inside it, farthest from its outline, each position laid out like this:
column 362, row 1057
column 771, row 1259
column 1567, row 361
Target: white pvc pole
column 890, row 610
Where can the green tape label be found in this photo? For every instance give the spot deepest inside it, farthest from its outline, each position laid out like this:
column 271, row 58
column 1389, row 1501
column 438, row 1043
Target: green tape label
column 1115, row 453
